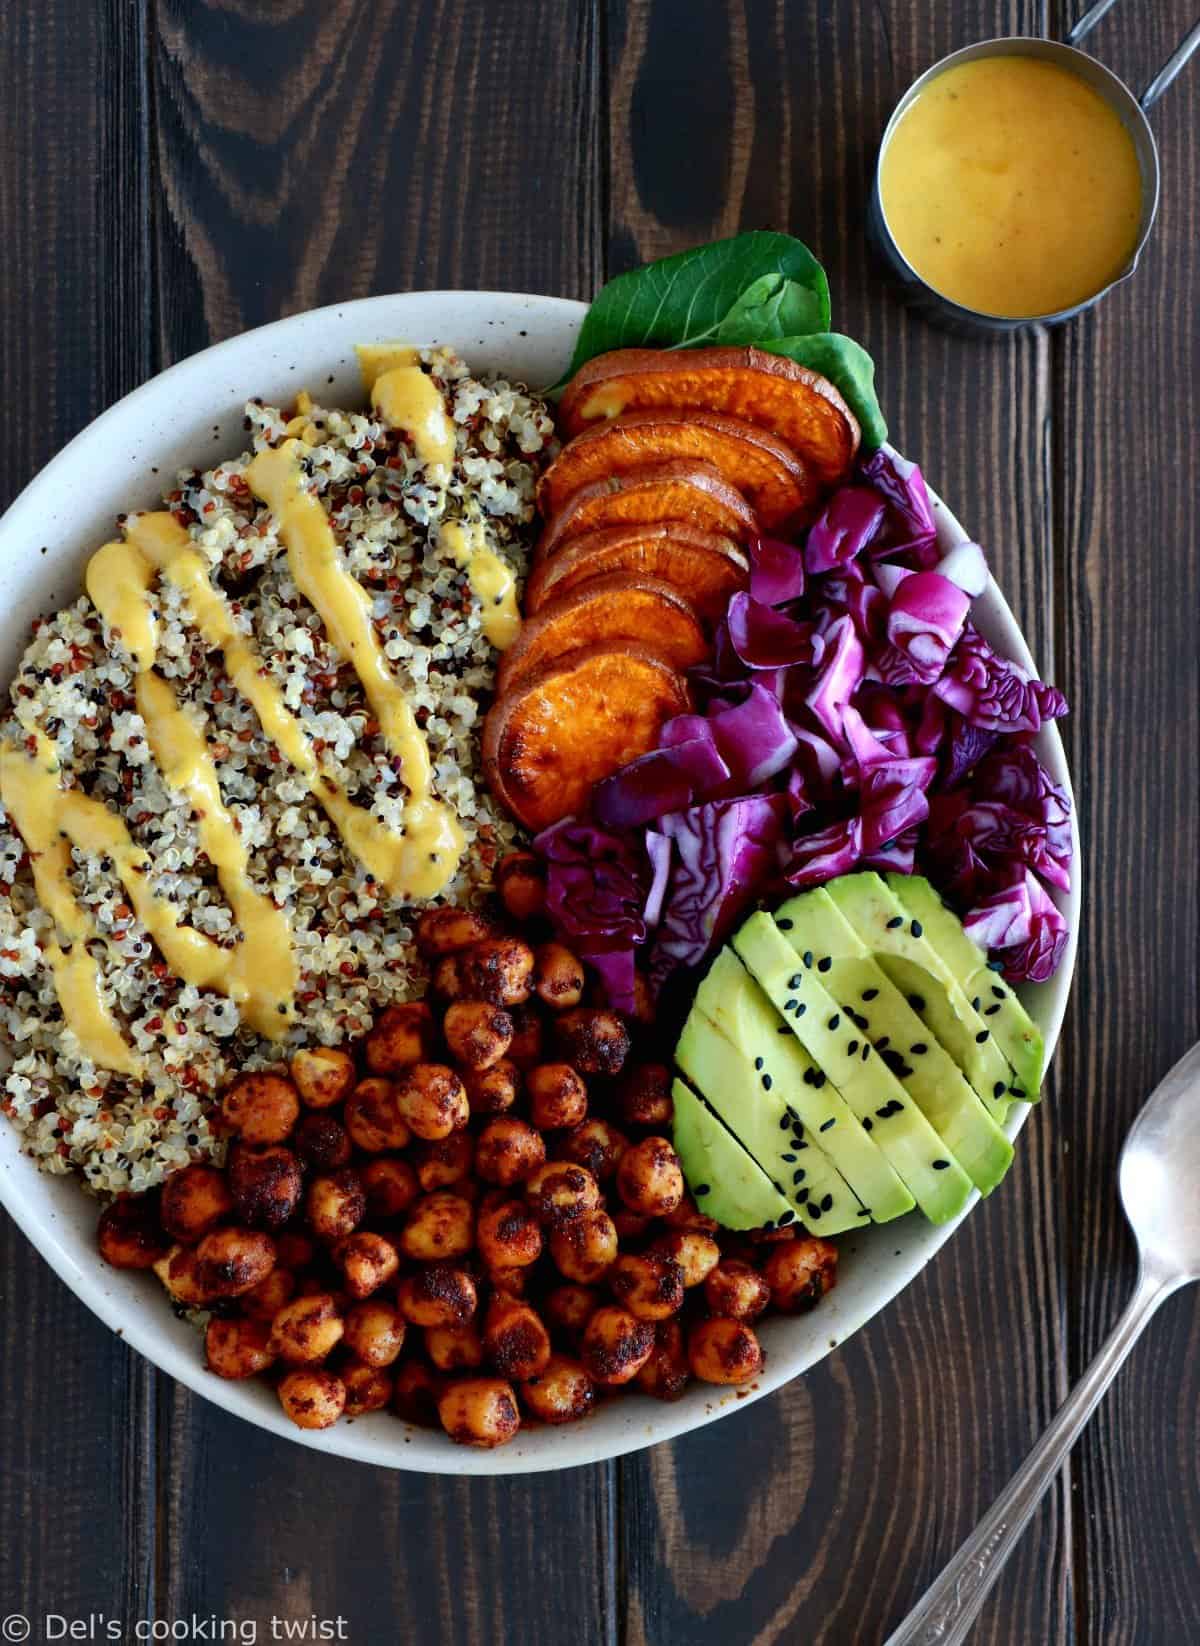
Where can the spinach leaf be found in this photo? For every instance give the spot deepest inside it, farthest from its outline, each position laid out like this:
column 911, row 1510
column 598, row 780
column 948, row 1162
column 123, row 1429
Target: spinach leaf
column 773, row 307
column 683, row 301
column 848, row 367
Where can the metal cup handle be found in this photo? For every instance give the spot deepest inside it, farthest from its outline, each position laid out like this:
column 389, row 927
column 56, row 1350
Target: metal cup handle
column 1170, row 68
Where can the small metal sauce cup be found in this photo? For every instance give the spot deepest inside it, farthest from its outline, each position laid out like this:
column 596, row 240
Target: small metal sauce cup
column 1130, row 110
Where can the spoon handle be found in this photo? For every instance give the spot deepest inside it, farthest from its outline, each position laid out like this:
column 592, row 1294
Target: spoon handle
column 950, row 1606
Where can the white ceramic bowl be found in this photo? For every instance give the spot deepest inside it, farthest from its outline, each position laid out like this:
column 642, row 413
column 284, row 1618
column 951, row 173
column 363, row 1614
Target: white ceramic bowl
column 123, row 461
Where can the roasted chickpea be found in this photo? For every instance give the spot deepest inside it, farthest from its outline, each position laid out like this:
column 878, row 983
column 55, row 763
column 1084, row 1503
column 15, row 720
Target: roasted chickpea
column 571, row 1307
column 129, row 1236
column 645, row 1006
column 440, row 1294
column 649, row 1178
column 507, row 1150
column 368, row 1388
column 335, row 1204
column 736, row 1290
column 446, row 930
column 322, row 1142
column 307, row 1329
column 477, row 1035
column 313, row 1398
column 415, row 1393
column 324, row 1076
column 372, row 1116
column 391, row 1186
column 561, row 1393
column 687, row 1216
column 498, row 970
column 194, row 1201
column 800, row 1273
column 665, row 1375
column 644, row 1096
column 402, row 1035
column 594, row 1144
column 616, row 1346
column 557, row 1096
column 557, row 977
column 514, row 1338
column 454, row 1348
column 439, row 1225
column 592, row 1040
column 508, row 1235
column 230, row 1262
column 724, row 1351
column 650, row 1287
column 368, row 1262
column 521, row 883
column 697, row 1254
column 431, row 1099
column 238, row 1349
column 264, row 1301
column 294, row 1250
column 585, row 1247
column 263, row 1107
column 266, row 1184
column 179, row 1271
column 560, row 1191
column 529, row 1037
column 492, row 1091
column 479, row 1411
column 375, row 1332
column 630, row 1226
column 446, row 981
column 510, row 1279
column 447, row 1162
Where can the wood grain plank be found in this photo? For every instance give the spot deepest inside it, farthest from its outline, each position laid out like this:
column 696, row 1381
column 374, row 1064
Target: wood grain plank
column 76, row 1459
column 823, row 1511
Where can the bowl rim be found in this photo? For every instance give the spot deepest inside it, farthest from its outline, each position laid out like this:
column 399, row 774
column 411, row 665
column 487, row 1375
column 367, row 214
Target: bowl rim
column 175, row 1352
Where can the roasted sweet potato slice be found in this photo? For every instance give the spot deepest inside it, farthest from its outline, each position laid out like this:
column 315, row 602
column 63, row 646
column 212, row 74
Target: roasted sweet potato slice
column 615, row 609
column 798, row 405
column 774, row 481
column 703, row 566
column 677, row 490
column 548, row 741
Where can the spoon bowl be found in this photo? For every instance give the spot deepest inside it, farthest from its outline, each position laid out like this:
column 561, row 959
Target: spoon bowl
column 1160, row 1174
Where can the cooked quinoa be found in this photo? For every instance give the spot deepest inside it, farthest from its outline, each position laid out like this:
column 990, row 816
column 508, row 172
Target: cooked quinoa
column 352, row 943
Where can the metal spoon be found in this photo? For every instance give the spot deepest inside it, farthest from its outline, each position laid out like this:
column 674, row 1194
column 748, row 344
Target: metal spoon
column 1160, row 1190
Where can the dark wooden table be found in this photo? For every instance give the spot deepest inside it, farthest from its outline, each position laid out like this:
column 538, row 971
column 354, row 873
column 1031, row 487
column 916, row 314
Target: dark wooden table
column 172, row 171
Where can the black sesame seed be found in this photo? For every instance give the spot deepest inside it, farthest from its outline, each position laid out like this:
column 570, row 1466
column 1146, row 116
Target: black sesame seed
column 794, row 1116
column 976, row 1003
column 834, row 1021
column 916, row 928
column 701, row 1189
column 940, row 1165
column 995, row 965
column 868, row 1123
column 826, row 1125
column 786, row 1218
column 820, row 1080
column 783, row 1029
column 905, row 1071
column 784, row 1123
column 897, row 921
column 813, row 1212
column 801, row 1009
column 1017, row 1091
column 758, row 1062
column 852, row 1048
column 990, row 1011
column 882, row 1044
column 999, row 993
column 810, row 1077
column 790, row 1158
column 824, row 964
column 918, row 1048
column 789, row 1005
column 807, row 958
column 982, row 1036
column 866, row 1051
column 827, row 1203
column 796, row 980
column 917, row 1002
column 769, row 1225
column 884, row 1113
column 766, row 1083
column 869, row 994
column 785, row 925
column 798, row 1175
column 998, row 1089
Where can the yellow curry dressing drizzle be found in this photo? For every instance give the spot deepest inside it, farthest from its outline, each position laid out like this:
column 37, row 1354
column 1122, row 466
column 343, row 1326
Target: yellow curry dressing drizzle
column 492, row 582
column 119, row 586
column 407, row 398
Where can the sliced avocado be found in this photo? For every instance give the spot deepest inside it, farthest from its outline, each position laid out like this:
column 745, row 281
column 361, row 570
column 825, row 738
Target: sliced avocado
column 733, row 1001
column 753, row 1108
column 938, row 1183
column 726, row 1182
column 903, row 951
column 885, row 1021
column 1011, row 1026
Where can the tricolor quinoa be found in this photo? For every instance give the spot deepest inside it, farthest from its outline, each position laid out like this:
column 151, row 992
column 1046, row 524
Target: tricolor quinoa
column 352, row 944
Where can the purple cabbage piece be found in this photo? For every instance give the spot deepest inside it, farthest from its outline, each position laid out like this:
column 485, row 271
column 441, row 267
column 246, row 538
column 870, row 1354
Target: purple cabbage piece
column 893, row 799
column 897, row 856
column 908, row 526
column 658, row 850
column 966, row 564
column 1015, row 778
column 925, row 619
column 618, row 974
column 754, row 738
column 665, row 780
column 1021, row 926
column 994, row 693
column 596, row 895
column 846, row 526
column 764, row 638
column 840, row 675
column 776, row 571
column 865, row 605
column 816, row 858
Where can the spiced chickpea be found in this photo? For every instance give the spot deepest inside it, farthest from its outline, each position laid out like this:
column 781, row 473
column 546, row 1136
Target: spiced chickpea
column 307, row 1329
column 557, row 976
column 179, row 1271
column 454, row 1348
column 724, row 1351
column 592, row 1040
column 800, row 1273
column 508, row 1235
column 521, row 883
column 515, row 1339
column 630, row 1226
column 498, row 970
column 372, row 1116
column 643, row 1096
column 375, row 1332
column 507, row 1150
column 477, row 1035
column 368, row 1261
column 232, row 1261
column 129, row 1235
column 335, row 1204
column 294, row 1250
column 438, row 1225
column 431, row 1100
column 264, row 1301
column 492, row 1091
column 649, row 1286
column 446, row 930
column 560, row 1191
column 262, row 1107
column 584, row 1248
column 650, row 1178
column 238, row 1349
column 697, row 1254
column 391, row 1186
column 688, row 1216
column 509, row 1278
column 312, row 1397
column 439, row 1294
column 415, row 1392
column 666, row 1374
column 322, row 1142
column 324, row 1076
column 266, row 1184
column 571, row 1307
column 479, row 1411
column 645, row 1007
column 557, row 1096
column 561, row 1393
column 402, row 1035
column 194, row 1201
column 444, row 1163
column 593, row 1144
column 529, row 1037
column 368, row 1388
column 616, row 1346
column 736, row 1290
